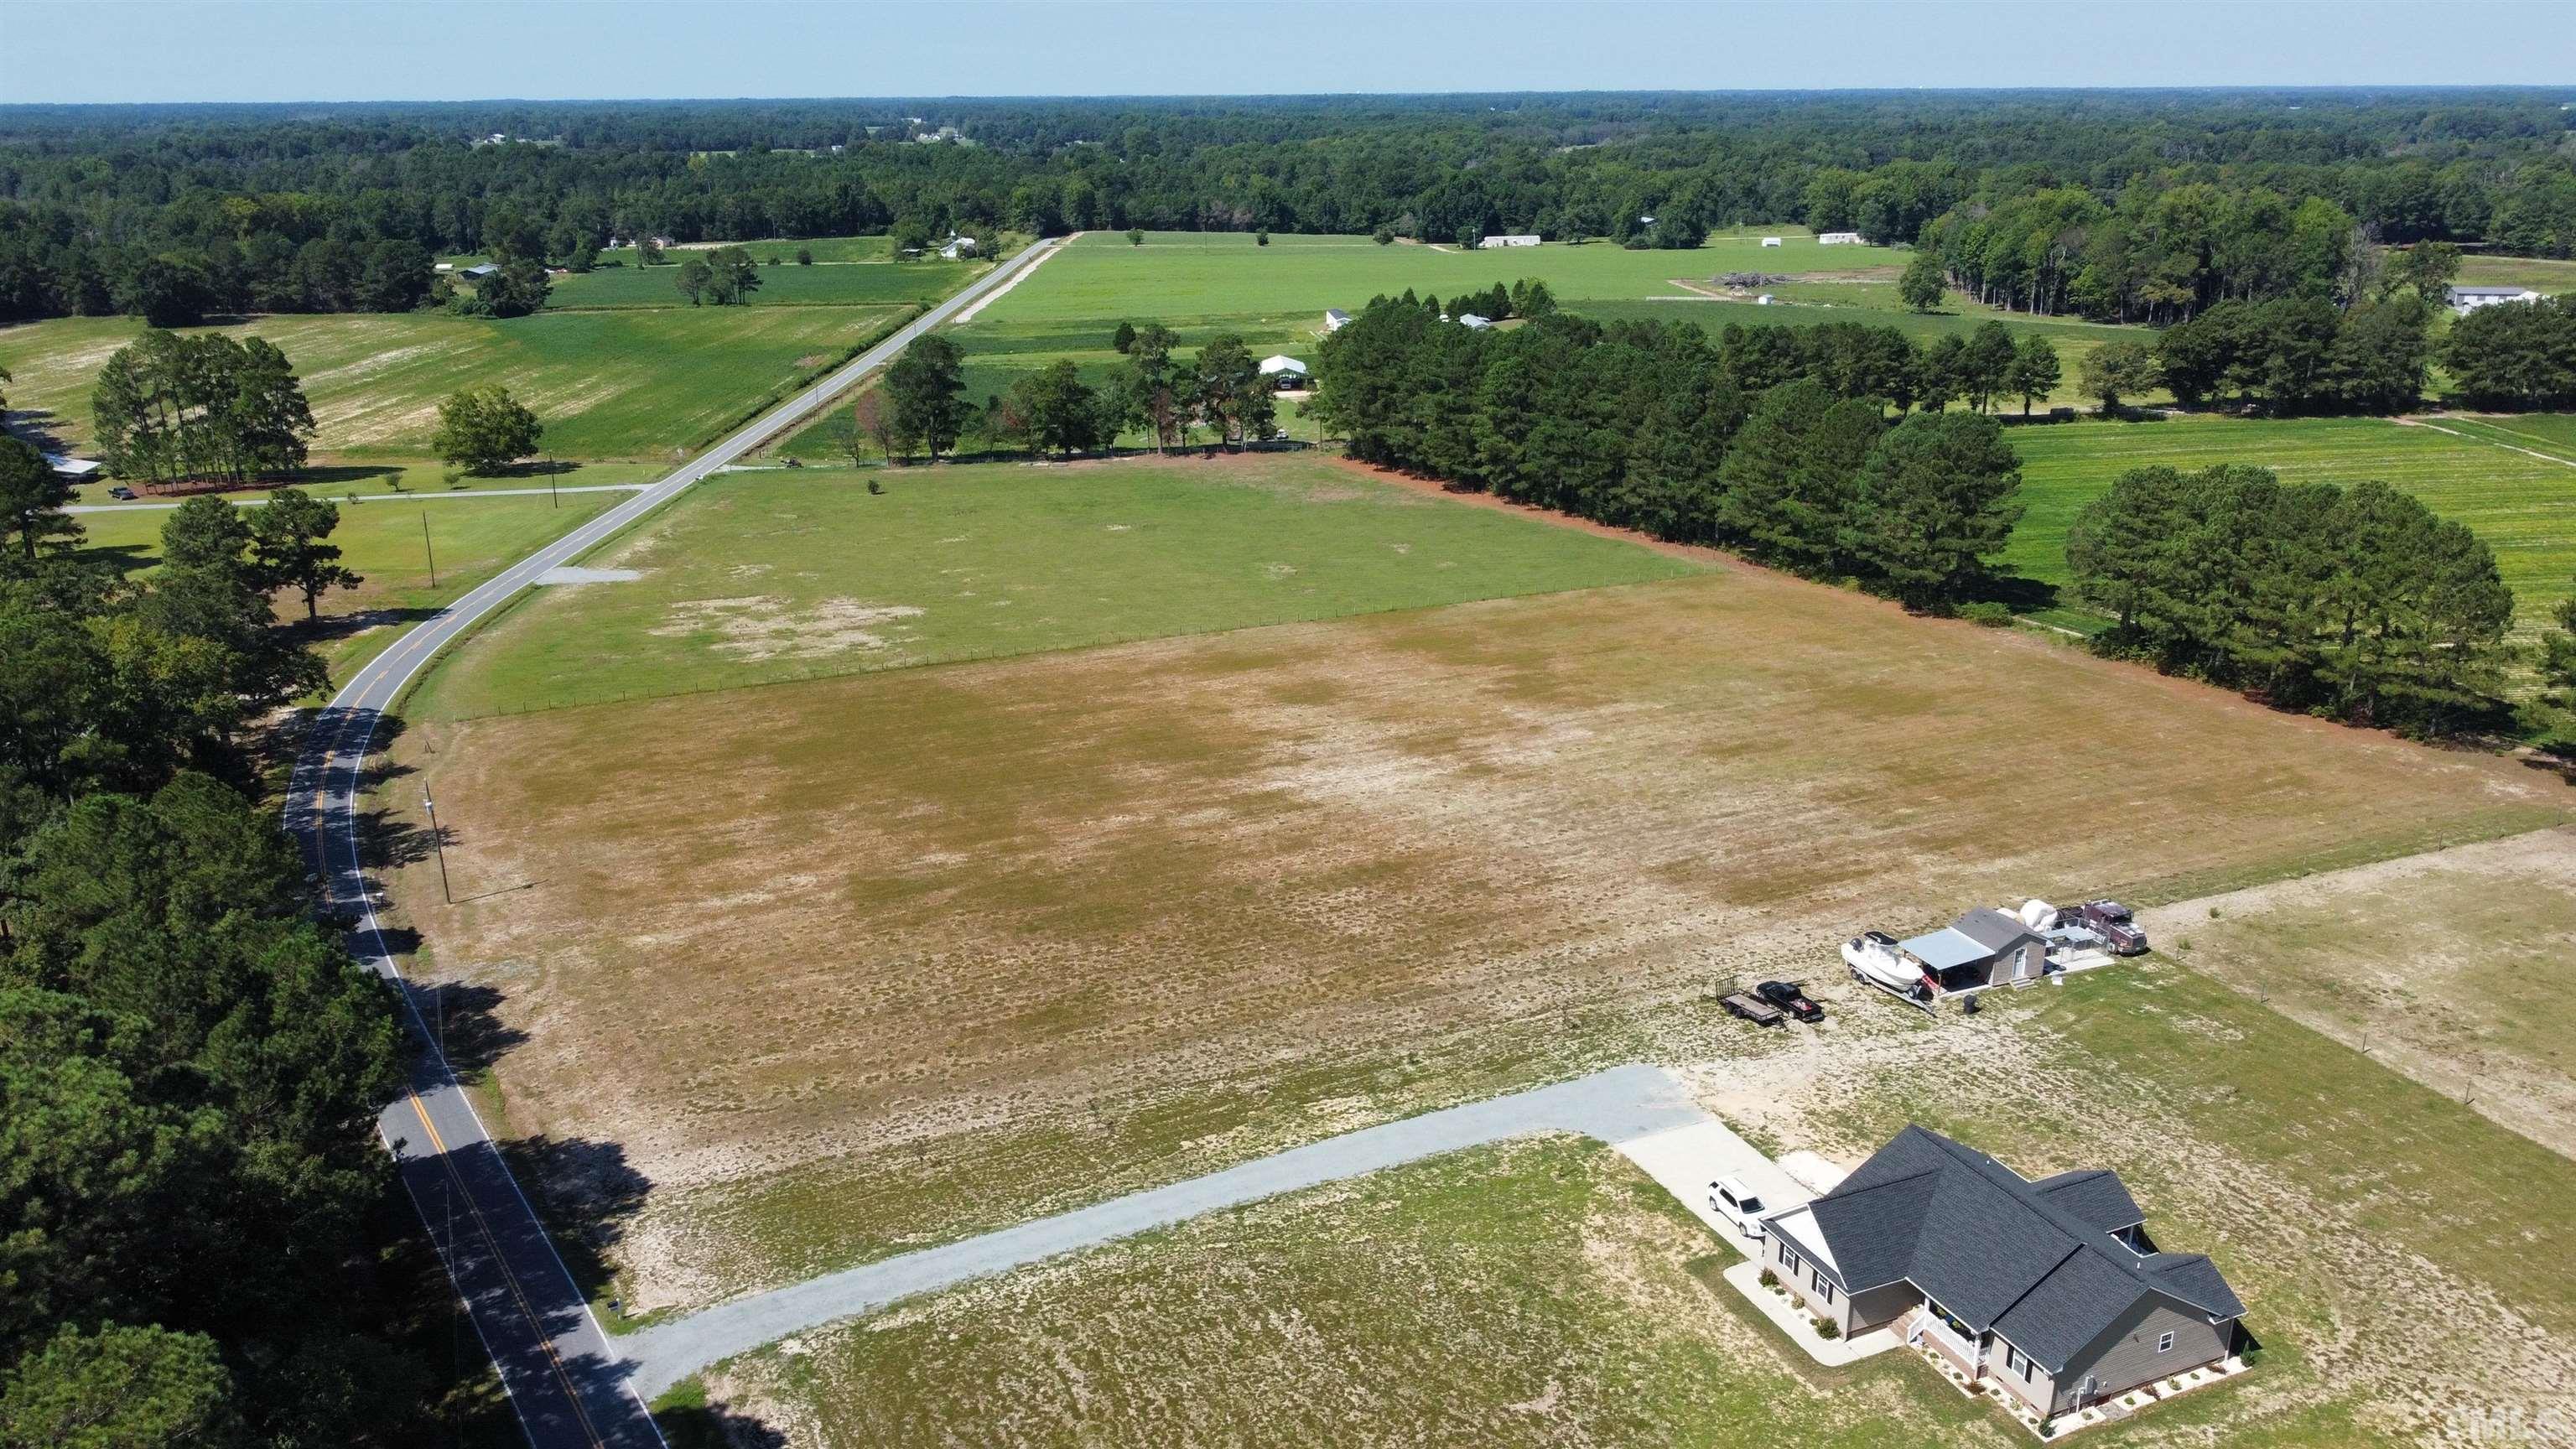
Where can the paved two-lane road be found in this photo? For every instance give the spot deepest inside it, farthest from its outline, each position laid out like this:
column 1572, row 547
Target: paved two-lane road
column 566, row 1382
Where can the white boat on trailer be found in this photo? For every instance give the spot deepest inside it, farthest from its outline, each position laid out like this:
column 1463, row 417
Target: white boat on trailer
column 1873, row 957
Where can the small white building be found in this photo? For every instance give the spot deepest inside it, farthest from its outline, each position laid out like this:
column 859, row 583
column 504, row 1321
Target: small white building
column 1335, row 319
column 78, row 470
column 1762, row 301
column 958, row 246
column 1838, row 238
column 2465, row 300
column 444, row 267
column 1474, row 323
column 1510, row 239
column 480, row 270
column 1285, row 373
column 1770, row 241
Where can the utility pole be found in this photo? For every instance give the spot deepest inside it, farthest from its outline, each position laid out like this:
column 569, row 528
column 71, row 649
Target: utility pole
column 426, row 549
column 438, row 844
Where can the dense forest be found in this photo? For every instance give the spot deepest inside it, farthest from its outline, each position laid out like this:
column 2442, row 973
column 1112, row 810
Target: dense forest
column 196, row 1226
column 1789, row 446
column 2139, row 205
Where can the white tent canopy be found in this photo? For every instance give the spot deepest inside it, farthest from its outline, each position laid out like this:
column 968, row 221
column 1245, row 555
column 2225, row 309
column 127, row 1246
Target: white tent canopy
column 1281, row 362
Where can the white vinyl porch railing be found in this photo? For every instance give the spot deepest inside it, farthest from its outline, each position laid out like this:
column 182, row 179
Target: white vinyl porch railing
column 1928, row 1324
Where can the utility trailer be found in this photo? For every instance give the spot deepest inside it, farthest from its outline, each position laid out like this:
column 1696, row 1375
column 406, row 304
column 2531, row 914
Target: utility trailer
column 1753, row 1009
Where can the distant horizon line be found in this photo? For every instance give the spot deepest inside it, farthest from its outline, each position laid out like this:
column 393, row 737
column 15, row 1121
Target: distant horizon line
column 2236, row 88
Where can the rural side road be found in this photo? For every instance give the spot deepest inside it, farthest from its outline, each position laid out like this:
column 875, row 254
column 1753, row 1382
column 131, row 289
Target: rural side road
column 566, row 1384
column 1619, row 1106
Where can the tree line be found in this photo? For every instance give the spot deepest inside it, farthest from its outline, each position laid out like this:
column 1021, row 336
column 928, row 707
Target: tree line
column 2130, row 205
column 923, row 406
column 2358, row 603
column 193, row 1209
column 172, row 409
column 1775, row 441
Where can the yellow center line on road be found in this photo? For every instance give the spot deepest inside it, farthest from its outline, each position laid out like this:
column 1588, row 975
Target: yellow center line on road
column 456, row 1181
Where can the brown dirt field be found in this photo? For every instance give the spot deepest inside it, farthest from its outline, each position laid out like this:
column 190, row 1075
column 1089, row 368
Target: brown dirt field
column 862, row 926
column 2453, row 967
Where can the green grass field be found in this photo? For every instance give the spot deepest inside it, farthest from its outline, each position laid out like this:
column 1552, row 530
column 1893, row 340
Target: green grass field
column 822, row 285
column 2537, row 273
column 824, row 248
column 2524, row 507
column 469, row 539
column 759, row 577
column 609, row 384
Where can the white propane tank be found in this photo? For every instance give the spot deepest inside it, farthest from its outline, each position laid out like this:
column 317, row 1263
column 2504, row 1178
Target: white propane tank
column 2038, row 915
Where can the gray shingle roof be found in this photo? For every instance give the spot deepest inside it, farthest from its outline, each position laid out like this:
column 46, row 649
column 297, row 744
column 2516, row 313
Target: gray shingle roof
column 2096, row 1198
column 2035, row 1262
column 1992, row 929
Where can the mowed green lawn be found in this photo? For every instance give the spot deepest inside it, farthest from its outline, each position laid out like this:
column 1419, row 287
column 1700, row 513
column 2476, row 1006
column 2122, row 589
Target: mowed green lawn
column 769, row 576
column 2523, row 506
column 610, row 384
column 2538, row 273
column 469, row 539
column 835, row 284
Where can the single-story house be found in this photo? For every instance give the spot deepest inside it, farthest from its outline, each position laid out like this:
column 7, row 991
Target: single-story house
column 1474, row 323
column 2051, row 1289
column 444, row 267
column 1285, row 373
column 1838, row 238
column 1510, row 239
column 1335, row 319
column 2465, row 300
column 479, row 270
column 958, row 246
column 1985, row 947
column 78, row 470
column 1770, row 241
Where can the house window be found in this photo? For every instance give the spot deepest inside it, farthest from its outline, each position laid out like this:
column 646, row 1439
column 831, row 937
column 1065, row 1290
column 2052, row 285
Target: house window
column 1825, row 1292
column 2018, row 1362
column 2164, row 1341
column 1789, row 1261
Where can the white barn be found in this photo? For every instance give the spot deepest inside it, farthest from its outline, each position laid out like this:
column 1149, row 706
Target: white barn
column 1510, row 239
column 1838, row 238
column 2465, row 300
column 1770, row 241
column 1335, row 319
column 1474, row 323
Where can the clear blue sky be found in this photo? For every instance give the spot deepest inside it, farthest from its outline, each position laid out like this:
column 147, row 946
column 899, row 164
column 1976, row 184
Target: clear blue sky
column 129, row 50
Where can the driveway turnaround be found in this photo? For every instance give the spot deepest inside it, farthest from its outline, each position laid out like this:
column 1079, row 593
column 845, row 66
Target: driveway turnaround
column 1621, row 1105
column 565, row 1382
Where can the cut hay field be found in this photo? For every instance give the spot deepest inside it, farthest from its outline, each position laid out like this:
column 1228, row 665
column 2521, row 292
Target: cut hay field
column 837, row 284
column 836, row 967
column 1543, row 1293
column 770, row 576
column 2523, row 506
column 608, row 384
column 1207, row 284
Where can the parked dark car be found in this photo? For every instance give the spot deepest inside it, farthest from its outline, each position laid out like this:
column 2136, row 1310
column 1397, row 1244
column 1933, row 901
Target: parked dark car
column 1786, row 996
column 2112, row 922
column 121, row 491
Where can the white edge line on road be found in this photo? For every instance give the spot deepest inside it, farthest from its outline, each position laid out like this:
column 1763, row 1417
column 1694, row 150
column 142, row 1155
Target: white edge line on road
column 456, row 620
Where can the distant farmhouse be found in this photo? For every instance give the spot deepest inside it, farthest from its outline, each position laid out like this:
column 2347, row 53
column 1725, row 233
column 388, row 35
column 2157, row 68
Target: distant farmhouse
column 479, row 271
column 1335, row 319
column 1510, row 239
column 2050, row 1289
column 1838, row 238
column 1285, row 373
column 2465, row 300
column 957, row 247
column 1474, row 323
